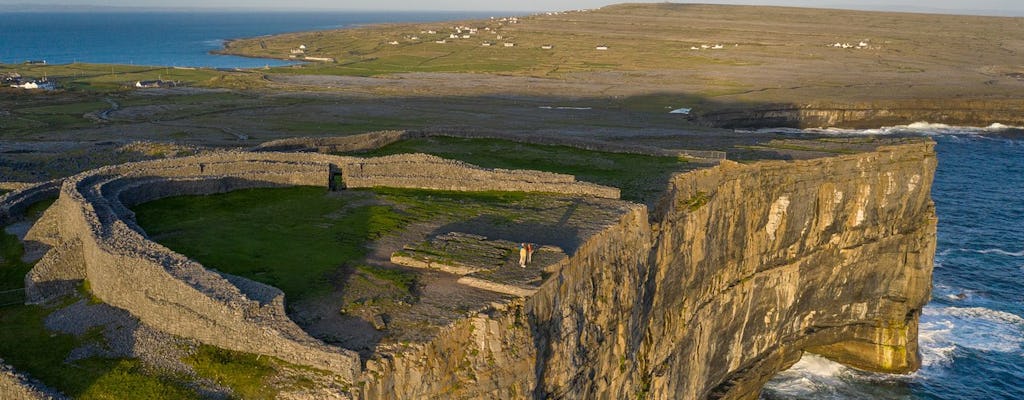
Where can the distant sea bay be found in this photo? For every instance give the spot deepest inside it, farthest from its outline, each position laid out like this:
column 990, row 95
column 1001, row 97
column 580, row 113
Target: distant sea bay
column 171, row 38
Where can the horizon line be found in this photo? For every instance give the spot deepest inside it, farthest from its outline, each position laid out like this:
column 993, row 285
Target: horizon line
column 35, row 8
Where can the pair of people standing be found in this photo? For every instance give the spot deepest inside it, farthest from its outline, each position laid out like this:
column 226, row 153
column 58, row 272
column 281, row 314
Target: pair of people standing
column 525, row 254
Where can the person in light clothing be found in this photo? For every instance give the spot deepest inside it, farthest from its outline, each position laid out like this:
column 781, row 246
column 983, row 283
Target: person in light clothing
column 522, row 255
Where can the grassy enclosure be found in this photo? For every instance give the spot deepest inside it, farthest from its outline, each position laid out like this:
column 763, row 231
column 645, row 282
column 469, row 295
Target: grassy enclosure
column 300, row 239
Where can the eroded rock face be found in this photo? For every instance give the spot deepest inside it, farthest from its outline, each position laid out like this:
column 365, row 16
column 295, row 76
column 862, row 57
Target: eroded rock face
column 738, row 271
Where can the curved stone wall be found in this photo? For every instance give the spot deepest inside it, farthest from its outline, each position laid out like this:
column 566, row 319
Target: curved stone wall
column 13, row 204
column 99, row 241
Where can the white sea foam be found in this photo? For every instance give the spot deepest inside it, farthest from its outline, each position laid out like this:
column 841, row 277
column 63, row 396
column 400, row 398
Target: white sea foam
column 218, row 43
column 942, row 331
column 812, row 376
column 925, row 128
column 944, row 328
column 1001, row 252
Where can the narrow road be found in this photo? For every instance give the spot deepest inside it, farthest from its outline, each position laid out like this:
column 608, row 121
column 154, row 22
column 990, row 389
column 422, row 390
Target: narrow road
column 105, row 114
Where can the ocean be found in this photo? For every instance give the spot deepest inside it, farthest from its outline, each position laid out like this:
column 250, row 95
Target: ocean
column 182, row 39
column 972, row 332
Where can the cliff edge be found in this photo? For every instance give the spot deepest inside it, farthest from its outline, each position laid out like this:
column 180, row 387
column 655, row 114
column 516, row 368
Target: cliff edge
column 738, row 271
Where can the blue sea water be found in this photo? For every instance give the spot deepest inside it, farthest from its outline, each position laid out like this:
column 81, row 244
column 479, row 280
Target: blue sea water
column 169, row 38
column 972, row 332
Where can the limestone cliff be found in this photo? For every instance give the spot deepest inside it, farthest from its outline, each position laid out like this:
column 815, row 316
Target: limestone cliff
column 739, row 270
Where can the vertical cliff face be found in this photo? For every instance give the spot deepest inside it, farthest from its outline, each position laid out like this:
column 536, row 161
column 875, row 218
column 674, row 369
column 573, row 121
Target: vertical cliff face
column 739, row 270
column 755, row 263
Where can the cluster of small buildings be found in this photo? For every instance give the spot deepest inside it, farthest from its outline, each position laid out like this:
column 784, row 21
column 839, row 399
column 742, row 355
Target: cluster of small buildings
column 15, row 80
column 300, row 53
column 711, row 47
column 510, row 20
column 297, row 52
column 862, row 45
column 459, row 32
column 155, row 84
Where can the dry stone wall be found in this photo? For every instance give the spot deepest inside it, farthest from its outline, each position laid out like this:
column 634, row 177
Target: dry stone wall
column 431, row 172
column 15, row 386
column 96, row 239
column 13, row 204
column 375, row 140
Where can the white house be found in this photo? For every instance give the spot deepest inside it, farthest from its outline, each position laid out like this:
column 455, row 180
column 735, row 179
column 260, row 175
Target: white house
column 37, row 84
column 302, row 47
column 486, row 44
column 393, row 42
column 442, row 41
column 601, row 47
column 510, row 44
column 547, row 46
column 717, row 47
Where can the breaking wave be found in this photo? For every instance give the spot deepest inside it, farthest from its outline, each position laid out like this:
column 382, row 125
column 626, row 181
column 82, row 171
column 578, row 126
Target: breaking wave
column 943, row 333
column 916, row 128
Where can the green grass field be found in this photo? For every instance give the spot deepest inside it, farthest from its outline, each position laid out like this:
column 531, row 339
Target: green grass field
column 297, row 239
column 642, row 178
column 111, row 77
column 293, row 239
